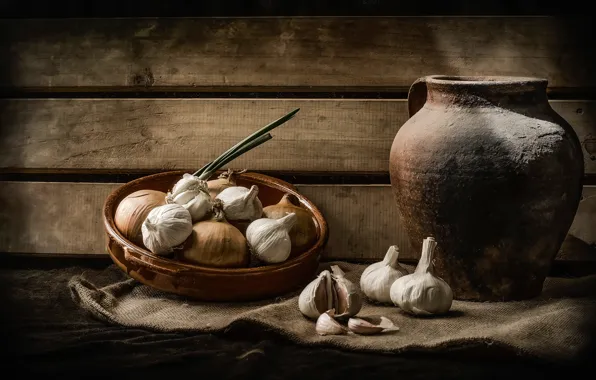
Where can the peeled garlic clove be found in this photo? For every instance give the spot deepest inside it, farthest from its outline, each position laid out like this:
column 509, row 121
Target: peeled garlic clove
column 241, row 203
column 422, row 293
column 376, row 280
column 326, row 325
column 270, row 239
column 364, row 327
column 316, row 297
column 349, row 299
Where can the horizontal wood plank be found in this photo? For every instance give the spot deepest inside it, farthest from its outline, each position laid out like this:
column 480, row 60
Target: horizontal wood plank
column 159, row 134
column 65, row 218
column 259, row 53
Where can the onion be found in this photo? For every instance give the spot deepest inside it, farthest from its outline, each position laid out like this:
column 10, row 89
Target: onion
column 216, row 243
column 303, row 234
column 132, row 211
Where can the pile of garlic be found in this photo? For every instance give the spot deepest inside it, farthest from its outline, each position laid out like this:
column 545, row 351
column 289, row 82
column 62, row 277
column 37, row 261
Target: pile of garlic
column 219, row 223
column 331, row 298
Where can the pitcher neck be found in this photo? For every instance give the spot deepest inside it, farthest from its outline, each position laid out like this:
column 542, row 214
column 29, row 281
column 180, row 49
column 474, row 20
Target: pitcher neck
column 486, row 91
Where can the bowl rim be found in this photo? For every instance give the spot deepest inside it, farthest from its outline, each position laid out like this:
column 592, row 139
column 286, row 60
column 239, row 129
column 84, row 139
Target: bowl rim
column 112, row 201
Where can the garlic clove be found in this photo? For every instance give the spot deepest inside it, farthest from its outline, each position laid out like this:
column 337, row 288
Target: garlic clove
column 188, row 183
column 364, row 327
column 326, row 325
column 184, row 197
column 198, row 206
column 349, row 299
column 314, row 298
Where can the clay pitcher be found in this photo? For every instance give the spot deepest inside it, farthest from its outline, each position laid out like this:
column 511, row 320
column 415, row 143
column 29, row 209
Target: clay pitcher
column 489, row 169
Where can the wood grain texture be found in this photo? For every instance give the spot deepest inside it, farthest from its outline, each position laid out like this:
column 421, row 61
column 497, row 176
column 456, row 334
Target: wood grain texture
column 326, row 52
column 159, row 134
column 65, row 218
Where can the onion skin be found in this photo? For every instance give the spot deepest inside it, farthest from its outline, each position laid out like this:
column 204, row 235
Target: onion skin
column 303, row 234
column 216, row 243
column 225, row 180
column 133, row 210
column 216, row 186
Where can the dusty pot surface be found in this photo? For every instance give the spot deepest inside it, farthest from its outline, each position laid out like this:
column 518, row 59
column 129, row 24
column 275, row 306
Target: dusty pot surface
column 488, row 168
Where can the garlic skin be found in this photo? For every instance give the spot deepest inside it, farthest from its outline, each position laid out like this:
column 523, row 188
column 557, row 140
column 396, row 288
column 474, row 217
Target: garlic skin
column 317, row 296
column 422, row 293
column 223, row 181
column 166, row 227
column 363, row 327
column 192, row 193
column 183, row 190
column 241, row 203
column 326, row 325
column 270, row 239
column 349, row 299
column 377, row 278
column 199, row 206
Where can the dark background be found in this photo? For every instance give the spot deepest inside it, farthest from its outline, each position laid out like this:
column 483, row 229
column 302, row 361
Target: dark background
column 216, row 355
column 235, row 8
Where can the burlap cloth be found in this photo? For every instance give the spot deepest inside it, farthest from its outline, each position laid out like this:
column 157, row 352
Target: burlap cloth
column 558, row 325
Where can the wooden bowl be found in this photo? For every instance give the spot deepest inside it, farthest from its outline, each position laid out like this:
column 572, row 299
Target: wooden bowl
column 213, row 284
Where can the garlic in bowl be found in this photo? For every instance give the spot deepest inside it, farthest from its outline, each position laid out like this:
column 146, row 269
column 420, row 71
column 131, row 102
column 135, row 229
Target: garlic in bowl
column 208, row 283
column 198, row 243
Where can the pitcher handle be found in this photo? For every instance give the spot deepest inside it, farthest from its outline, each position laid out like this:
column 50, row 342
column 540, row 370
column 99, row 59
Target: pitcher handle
column 417, row 96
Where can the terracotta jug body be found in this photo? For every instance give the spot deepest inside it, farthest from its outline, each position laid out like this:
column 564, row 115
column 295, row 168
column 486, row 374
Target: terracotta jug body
column 494, row 174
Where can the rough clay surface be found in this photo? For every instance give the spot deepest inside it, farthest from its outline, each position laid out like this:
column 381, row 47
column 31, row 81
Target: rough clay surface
column 496, row 185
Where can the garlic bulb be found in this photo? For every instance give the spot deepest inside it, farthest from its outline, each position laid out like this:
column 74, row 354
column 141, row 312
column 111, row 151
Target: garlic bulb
column 422, row 293
column 330, row 291
column 377, row 278
column 191, row 192
column 269, row 238
column 349, row 299
column 304, row 233
column 216, row 243
column 225, row 180
column 186, row 189
column 326, row 325
column 133, row 210
column 166, row 227
column 318, row 296
column 240, row 203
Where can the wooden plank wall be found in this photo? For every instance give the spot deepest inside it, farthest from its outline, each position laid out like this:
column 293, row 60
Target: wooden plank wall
column 84, row 99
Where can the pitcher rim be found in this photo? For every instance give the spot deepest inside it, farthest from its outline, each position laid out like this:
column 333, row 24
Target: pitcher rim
column 485, row 80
